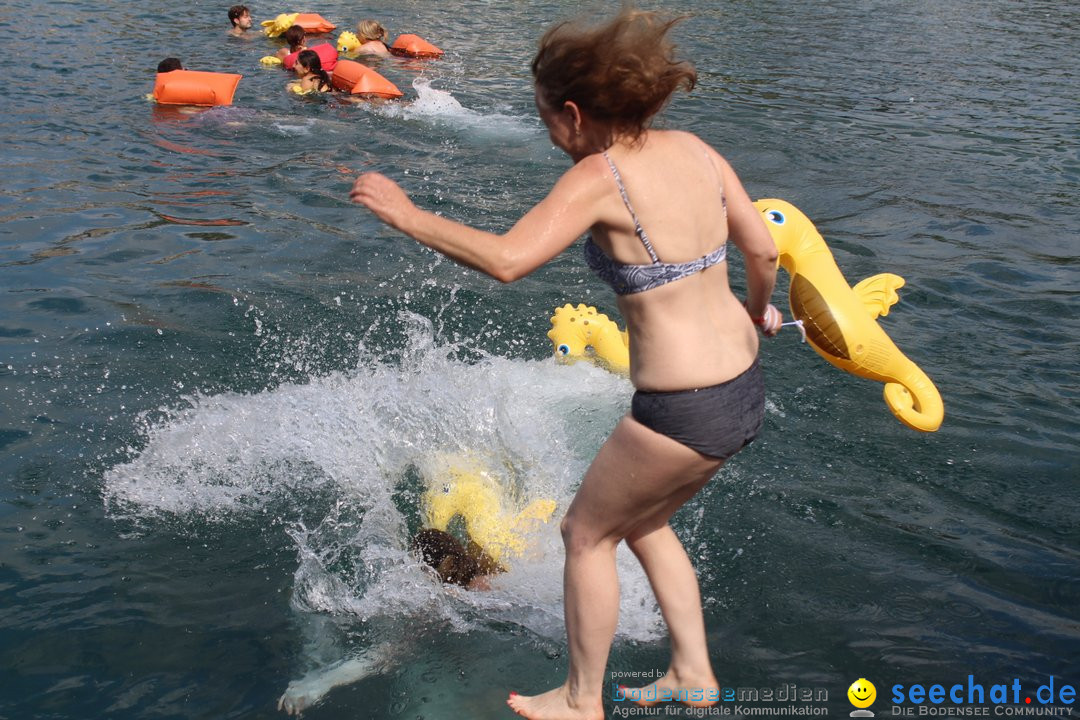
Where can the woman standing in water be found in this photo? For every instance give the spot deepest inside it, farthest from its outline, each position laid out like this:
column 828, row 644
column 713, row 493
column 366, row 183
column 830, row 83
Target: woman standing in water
column 660, row 206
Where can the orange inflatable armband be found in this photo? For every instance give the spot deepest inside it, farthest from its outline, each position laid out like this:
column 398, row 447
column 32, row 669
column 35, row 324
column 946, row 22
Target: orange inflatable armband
column 359, row 79
column 313, row 23
column 414, row 46
column 191, row 87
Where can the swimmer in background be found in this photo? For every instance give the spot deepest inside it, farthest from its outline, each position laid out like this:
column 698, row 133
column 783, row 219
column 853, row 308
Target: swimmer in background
column 169, row 64
column 240, row 17
column 295, row 39
column 660, row 207
column 373, row 37
column 310, row 74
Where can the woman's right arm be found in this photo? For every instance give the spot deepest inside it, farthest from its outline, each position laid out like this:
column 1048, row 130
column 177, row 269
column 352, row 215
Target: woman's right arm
column 747, row 230
column 567, row 212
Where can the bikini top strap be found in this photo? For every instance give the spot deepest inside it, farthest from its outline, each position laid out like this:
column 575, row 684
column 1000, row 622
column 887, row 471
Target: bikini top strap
column 626, row 201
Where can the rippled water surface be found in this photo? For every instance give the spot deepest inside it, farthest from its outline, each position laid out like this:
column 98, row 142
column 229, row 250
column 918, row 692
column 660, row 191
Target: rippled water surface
column 223, row 387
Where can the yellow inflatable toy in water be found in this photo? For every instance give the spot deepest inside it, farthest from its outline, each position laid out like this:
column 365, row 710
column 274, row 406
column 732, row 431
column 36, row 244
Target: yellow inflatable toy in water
column 581, row 331
column 278, row 26
column 468, row 491
column 348, row 44
column 841, row 321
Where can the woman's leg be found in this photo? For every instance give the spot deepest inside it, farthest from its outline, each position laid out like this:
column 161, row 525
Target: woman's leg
column 689, row 677
column 637, row 476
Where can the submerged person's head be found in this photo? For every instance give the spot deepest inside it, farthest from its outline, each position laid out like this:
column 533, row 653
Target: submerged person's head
column 169, row 64
column 445, row 553
column 294, row 36
column 368, row 30
column 619, row 74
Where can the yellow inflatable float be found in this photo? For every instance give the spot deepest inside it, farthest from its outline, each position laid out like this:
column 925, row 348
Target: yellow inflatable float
column 841, row 321
column 466, row 490
column 348, row 44
column 581, row 331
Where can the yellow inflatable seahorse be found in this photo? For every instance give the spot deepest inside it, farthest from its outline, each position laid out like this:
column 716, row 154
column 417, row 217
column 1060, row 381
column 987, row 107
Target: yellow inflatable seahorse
column 468, row 491
column 841, row 321
column 583, row 332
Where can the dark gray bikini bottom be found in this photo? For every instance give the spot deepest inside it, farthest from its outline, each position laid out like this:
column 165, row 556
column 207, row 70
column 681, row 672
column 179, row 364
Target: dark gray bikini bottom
column 717, row 421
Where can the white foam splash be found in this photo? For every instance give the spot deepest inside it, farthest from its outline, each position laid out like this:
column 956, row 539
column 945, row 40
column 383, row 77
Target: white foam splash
column 358, row 437
column 433, row 105
column 291, row 129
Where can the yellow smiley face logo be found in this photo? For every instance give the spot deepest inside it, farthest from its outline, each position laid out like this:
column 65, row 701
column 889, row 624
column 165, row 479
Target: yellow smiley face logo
column 862, row 693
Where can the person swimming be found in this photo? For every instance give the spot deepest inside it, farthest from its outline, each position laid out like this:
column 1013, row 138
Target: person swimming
column 240, row 19
column 373, row 37
column 310, row 74
column 455, row 563
column 295, row 40
column 496, row 530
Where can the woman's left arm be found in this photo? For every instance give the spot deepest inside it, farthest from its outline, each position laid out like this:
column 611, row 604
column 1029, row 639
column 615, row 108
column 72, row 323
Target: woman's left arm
column 546, row 230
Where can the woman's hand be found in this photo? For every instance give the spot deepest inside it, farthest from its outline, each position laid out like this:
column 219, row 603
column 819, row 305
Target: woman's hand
column 384, row 197
column 770, row 321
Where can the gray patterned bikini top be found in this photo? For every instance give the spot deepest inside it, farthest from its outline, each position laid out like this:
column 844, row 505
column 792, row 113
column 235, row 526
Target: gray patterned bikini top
column 627, row 279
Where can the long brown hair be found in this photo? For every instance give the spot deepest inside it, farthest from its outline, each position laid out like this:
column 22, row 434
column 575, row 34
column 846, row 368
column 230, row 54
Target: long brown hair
column 311, row 60
column 621, row 73
column 295, row 37
column 453, row 562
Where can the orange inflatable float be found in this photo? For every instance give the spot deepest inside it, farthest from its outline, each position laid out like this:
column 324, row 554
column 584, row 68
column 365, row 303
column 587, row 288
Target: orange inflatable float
column 359, row 79
column 191, row 87
column 414, row 46
column 327, row 53
column 313, row 24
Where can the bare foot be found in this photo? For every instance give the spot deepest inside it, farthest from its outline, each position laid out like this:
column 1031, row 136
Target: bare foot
column 692, row 690
column 555, row 705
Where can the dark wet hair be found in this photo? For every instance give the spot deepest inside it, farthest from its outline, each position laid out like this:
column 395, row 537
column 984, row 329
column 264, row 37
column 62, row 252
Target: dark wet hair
column 169, row 64
column 235, row 12
column 295, row 37
column 451, row 560
column 621, row 73
column 311, row 60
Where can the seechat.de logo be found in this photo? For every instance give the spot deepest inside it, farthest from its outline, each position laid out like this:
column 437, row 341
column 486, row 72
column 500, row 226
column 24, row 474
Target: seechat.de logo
column 862, row 694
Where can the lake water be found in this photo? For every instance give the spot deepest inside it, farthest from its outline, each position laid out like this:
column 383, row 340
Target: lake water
column 221, row 383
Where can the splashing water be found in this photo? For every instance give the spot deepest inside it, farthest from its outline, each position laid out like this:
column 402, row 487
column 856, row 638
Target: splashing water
column 440, row 106
column 362, row 439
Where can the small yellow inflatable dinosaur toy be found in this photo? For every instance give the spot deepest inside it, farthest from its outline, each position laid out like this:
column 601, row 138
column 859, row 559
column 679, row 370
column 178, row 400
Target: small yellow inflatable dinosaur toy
column 466, row 490
column 348, row 44
column 841, row 321
column 581, row 331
